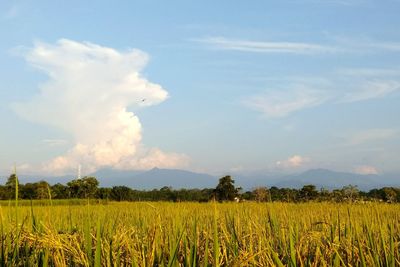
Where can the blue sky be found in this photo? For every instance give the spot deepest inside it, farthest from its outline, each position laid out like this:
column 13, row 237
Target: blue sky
column 206, row 86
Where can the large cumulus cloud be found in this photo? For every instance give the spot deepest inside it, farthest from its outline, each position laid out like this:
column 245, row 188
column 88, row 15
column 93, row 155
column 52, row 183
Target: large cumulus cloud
column 89, row 90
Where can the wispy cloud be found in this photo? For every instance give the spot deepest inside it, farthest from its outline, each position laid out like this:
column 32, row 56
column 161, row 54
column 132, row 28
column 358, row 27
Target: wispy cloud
column 266, row 46
column 369, row 72
column 371, row 90
column 343, row 87
column 281, row 103
column 333, row 44
column 363, row 84
column 340, row 2
column 370, row 135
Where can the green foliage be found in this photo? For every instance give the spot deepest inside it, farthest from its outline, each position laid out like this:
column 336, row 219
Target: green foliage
column 88, row 187
column 121, row 193
column 59, row 191
column 226, row 189
column 261, row 194
column 37, row 190
column 85, row 187
column 308, row 192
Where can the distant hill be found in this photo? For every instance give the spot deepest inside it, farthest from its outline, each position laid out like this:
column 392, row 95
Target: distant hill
column 331, row 180
column 156, row 178
column 23, row 178
column 151, row 179
column 110, row 177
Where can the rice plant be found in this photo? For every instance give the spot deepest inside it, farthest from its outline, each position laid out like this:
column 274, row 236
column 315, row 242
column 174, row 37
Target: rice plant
column 199, row 234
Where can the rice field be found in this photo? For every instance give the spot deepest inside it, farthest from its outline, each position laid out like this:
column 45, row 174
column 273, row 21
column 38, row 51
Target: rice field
column 199, row 234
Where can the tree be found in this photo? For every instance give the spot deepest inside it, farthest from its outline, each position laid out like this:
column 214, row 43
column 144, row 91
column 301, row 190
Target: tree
column 11, row 181
column 308, row 192
column 27, row 191
column 225, row 189
column 350, row 192
column 324, row 194
column 59, row 191
column 260, row 194
column 274, row 194
column 166, row 193
column 337, row 195
column 103, row 193
column 90, row 186
column 74, row 187
column 390, row 194
column 4, row 192
column 121, row 193
column 11, row 185
column 42, row 190
column 83, row 188
column 38, row 190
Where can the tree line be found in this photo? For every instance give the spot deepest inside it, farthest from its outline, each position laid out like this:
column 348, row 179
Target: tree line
column 88, row 187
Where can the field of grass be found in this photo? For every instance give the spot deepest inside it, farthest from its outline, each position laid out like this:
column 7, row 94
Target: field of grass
column 194, row 234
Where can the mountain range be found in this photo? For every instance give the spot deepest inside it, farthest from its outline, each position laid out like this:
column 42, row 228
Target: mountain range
column 158, row 178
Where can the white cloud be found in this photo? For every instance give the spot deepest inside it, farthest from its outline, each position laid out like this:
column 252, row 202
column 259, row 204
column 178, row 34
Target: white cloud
column 154, row 158
column 87, row 95
column 365, row 169
column 276, row 104
column 371, row 135
column 356, row 84
column 341, row 2
column 266, row 46
column 371, row 90
column 348, row 86
column 369, row 72
column 333, row 44
column 364, row 84
column 295, row 161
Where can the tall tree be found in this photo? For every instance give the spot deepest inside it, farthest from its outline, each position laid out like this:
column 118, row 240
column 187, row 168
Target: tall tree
column 308, row 192
column 226, row 189
column 261, row 194
column 83, row 188
column 121, row 193
column 60, row 191
column 11, row 185
column 350, row 192
column 42, row 190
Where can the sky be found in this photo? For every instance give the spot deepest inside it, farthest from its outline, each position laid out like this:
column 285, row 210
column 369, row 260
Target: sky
column 208, row 86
